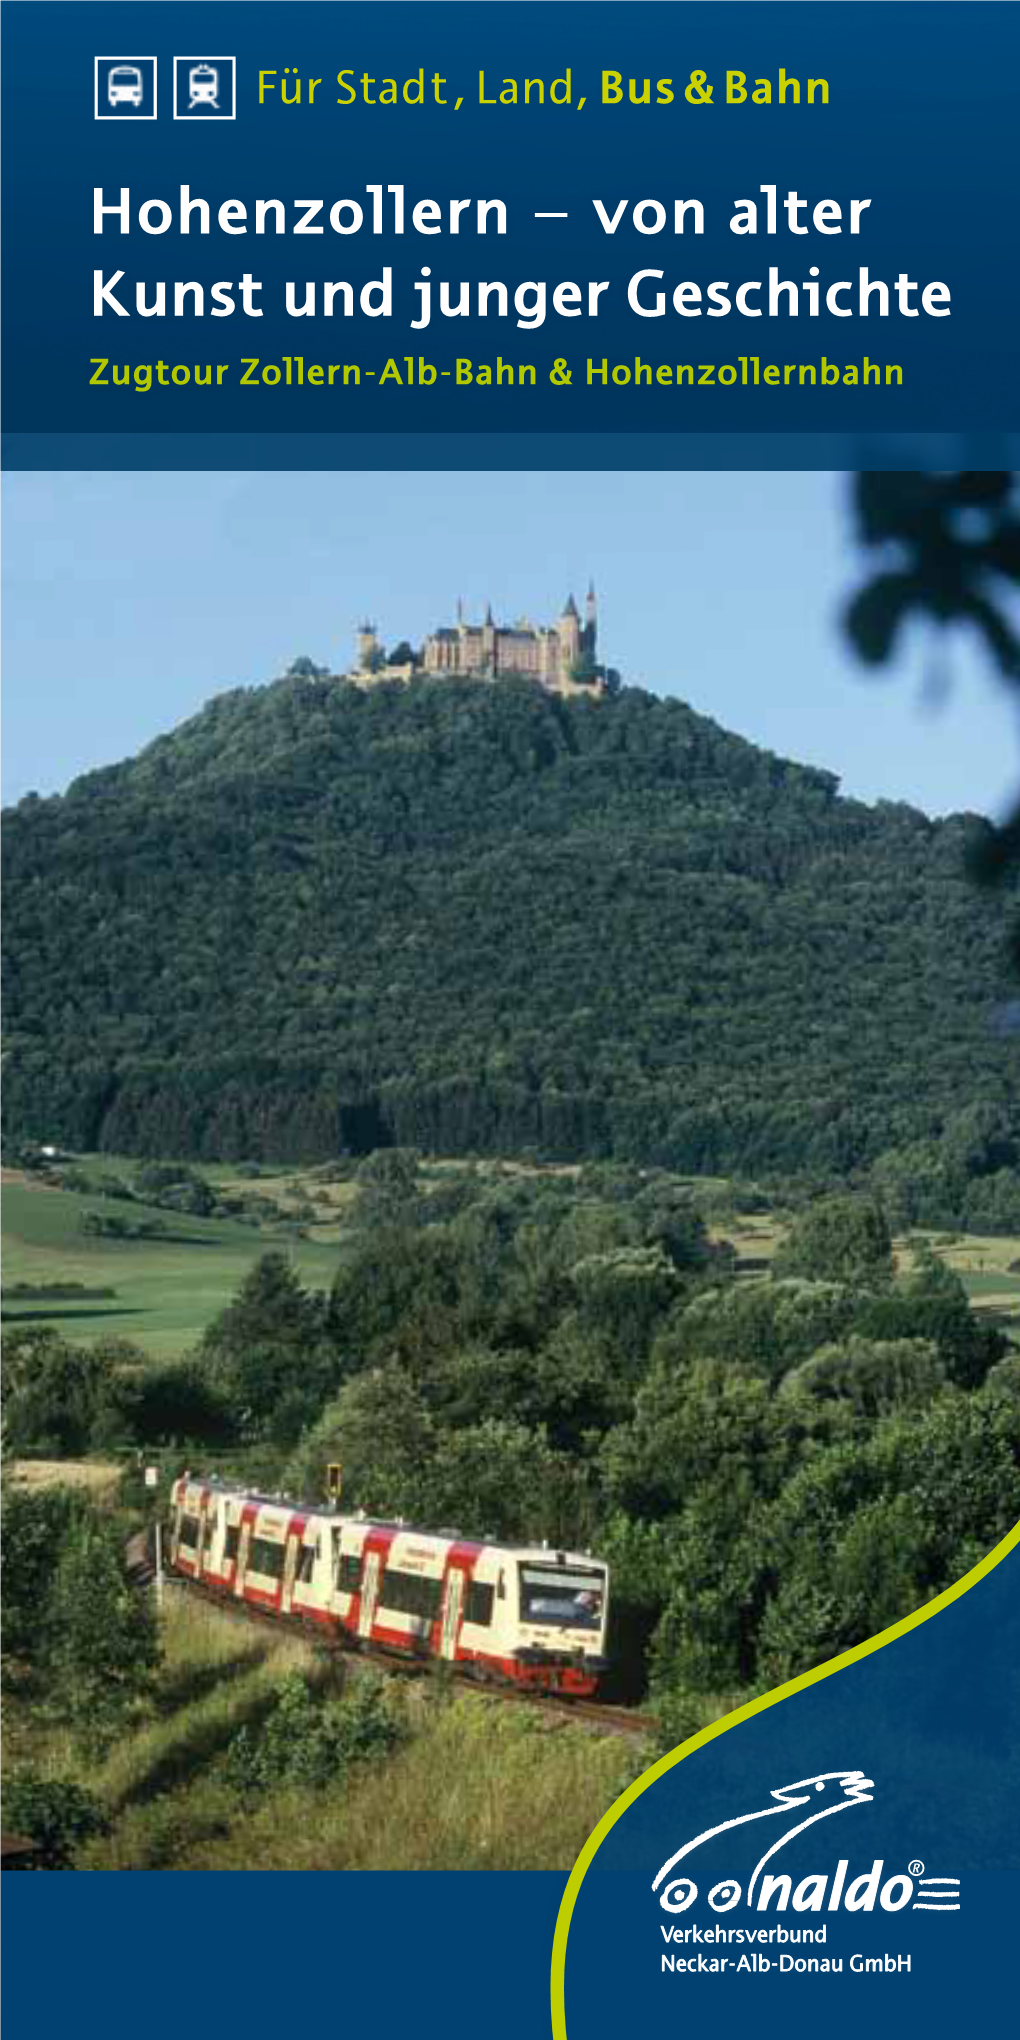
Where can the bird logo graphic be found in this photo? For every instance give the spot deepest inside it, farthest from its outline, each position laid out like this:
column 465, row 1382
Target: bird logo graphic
column 827, row 1793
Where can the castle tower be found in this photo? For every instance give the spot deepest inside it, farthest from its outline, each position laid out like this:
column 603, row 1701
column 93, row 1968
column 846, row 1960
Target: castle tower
column 369, row 648
column 569, row 636
column 489, row 659
column 590, row 622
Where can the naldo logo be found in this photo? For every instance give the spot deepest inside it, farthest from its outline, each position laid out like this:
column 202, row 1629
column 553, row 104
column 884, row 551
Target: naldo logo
column 824, row 1797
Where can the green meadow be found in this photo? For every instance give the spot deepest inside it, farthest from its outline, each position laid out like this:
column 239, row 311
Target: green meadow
column 167, row 1289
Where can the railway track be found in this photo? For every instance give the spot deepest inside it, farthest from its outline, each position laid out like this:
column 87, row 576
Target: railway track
column 601, row 1718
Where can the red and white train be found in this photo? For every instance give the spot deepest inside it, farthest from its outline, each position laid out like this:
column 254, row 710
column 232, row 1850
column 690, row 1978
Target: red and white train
column 526, row 1614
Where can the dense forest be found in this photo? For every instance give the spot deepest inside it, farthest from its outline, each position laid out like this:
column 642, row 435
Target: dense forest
column 475, row 919
column 777, row 1462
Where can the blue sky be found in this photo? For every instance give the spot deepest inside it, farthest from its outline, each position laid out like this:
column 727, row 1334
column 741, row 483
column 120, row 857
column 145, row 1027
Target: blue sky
column 130, row 599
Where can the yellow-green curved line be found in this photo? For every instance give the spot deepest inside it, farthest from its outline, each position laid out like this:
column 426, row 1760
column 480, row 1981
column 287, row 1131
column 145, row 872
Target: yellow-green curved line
column 728, row 1721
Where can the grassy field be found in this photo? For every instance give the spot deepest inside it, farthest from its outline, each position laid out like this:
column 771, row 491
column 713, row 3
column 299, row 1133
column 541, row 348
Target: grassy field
column 472, row 1784
column 988, row 1265
column 989, row 1268
column 166, row 1289
column 97, row 1477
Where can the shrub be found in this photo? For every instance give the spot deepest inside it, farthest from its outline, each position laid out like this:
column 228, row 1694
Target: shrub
column 306, row 1742
column 36, row 1524
column 54, row 1813
column 105, row 1645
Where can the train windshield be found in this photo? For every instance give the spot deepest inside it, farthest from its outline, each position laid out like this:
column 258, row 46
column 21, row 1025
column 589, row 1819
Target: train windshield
column 570, row 1596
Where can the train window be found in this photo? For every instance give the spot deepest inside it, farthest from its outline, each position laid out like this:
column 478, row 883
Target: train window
column 568, row 1598
column 189, row 1531
column 478, row 1604
column 306, row 1562
column 410, row 1594
column 265, row 1558
column 232, row 1540
column 347, row 1571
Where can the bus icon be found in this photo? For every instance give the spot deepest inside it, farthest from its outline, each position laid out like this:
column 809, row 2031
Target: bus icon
column 203, row 86
column 125, row 88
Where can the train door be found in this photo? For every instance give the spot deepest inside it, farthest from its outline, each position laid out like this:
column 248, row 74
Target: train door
column 203, row 1542
column 451, row 1612
column 175, row 1531
column 244, row 1543
column 216, row 1537
column 289, row 1570
column 369, row 1593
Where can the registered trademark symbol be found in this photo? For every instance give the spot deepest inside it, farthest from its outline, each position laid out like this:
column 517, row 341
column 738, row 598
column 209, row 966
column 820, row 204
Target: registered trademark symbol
column 916, row 1868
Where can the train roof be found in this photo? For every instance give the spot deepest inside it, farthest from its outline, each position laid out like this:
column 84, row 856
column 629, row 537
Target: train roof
column 444, row 1532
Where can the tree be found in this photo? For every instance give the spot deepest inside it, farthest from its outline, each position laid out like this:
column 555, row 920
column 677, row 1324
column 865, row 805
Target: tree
column 767, row 1325
column 162, row 1404
column 934, row 1305
column 387, row 1186
column 385, row 1439
column 106, row 1644
column 52, row 1391
column 719, row 1577
column 958, row 537
column 176, row 1188
column 399, row 1293
column 959, row 541
column 36, row 1524
column 502, row 1480
column 304, row 668
column 874, row 1376
column 875, row 1572
column 267, row 1352
column 622, row 1296
column 694, row 1425
column 839, row 1239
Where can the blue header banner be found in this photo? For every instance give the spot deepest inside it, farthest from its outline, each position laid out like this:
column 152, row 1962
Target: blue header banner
column 503, row 219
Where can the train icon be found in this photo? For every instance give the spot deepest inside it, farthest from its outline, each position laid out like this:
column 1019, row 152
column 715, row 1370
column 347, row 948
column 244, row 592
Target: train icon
column 203, row 86
column 124, row 86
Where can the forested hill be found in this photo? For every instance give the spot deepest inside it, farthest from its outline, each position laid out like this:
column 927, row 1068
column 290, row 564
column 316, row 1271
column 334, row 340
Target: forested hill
column 481, row 918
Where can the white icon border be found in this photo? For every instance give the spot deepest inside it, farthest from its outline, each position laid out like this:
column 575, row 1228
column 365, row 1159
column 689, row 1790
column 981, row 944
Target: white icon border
column 154, row 61
column 232, row 61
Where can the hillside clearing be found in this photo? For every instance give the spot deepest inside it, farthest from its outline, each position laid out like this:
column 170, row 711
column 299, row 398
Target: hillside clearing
column 472, row 1785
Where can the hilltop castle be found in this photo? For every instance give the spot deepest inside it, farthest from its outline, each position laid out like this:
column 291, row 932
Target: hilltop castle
column 561, row 655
